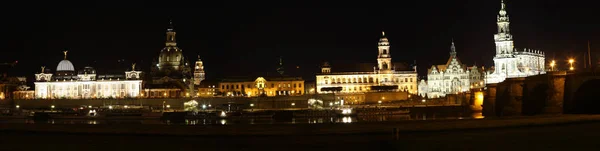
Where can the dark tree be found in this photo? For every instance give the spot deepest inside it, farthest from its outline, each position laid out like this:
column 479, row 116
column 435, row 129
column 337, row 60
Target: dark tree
column 384, row 88
column 331, row 89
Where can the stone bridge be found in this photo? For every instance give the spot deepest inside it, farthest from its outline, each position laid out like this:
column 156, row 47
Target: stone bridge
column 556, row 92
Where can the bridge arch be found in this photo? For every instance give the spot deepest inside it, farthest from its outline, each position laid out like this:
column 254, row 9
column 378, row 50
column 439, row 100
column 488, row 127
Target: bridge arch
column 586, row 98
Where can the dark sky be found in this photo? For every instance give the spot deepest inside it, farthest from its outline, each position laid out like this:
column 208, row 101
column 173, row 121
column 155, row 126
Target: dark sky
column 240, row 40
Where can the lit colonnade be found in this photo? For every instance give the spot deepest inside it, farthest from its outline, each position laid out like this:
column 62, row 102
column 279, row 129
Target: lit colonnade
column 65, row 83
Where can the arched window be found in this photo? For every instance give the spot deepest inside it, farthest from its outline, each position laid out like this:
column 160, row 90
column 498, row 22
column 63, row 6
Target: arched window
column 384, row 51
column 385, row 65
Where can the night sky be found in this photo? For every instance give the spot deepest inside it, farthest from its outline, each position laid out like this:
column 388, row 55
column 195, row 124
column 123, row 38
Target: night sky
column 240, row 40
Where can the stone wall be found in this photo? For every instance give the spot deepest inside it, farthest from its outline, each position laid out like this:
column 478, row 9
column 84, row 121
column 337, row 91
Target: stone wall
column 374, row 97
column 534, row 95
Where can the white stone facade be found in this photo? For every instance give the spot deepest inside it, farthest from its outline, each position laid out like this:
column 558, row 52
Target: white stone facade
column 86, row 84
column 510, row 62
column 450, row 78
column 359, row 82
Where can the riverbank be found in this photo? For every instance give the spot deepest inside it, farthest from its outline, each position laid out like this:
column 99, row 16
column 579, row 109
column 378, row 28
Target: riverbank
column 303, row 129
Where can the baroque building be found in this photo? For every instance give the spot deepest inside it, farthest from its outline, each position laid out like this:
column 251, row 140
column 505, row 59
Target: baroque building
column 199, row 74
column 275, row 84
column 66, row 83
column 450, row 78
column 382, row 74
column 508, row 61
column 172, row 76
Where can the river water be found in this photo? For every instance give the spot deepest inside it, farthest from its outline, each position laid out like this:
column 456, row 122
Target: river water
column 236, row 121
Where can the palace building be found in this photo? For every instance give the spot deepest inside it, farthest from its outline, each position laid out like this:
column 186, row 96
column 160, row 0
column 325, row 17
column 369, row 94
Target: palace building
column 262, row 86
column 510, row 62
column 450, row 78
column 67, row 83
column 275, row 84
column 384, row 73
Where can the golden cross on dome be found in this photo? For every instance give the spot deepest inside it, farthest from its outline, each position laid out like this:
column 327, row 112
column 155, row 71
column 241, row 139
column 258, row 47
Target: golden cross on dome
column 133, row 67
column 43, row 67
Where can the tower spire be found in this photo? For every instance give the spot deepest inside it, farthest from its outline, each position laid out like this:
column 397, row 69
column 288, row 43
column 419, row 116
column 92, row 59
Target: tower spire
column 280, row 68
column 170, row 28
column 452, row 49
column 502, row 15
column 171, row 34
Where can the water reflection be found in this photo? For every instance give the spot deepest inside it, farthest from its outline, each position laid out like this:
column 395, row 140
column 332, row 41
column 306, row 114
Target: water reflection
column 347, row 120
column 237, row 121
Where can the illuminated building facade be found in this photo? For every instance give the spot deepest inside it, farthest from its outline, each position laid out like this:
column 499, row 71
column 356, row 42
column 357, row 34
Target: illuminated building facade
column 383, row 74
column 207, row 88
column 510, row 62
column 66, row 83
column 172, row 76
column 199, row 74
column 262, row 86
column 450, row 78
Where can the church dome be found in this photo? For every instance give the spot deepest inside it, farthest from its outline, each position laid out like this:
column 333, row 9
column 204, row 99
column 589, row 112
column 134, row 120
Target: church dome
column 65, row 65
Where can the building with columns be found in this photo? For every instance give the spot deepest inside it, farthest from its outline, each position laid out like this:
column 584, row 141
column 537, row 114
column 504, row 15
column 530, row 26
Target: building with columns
column 508, row 61
column 450, row 78
column 66, row 83
column 383, row 74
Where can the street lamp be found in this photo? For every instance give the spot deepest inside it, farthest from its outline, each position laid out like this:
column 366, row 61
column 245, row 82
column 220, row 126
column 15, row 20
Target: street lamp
column 571, row 64
column 552, row 64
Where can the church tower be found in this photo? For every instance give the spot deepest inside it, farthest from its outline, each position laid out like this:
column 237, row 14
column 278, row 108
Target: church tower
column 384, row 59
column 198, row 72
column 505, row 61
column 503, row 39
column 171, row 57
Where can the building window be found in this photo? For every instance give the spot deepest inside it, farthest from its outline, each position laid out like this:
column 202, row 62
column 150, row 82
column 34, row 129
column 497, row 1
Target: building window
column 242, row 86
column 295, row 86
column 300, row 85
column 222, row 87
column 227, row 86
column 272, row 85
column 237, row 86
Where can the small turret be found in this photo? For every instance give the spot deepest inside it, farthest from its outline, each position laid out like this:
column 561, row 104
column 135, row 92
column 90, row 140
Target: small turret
column 326, row 68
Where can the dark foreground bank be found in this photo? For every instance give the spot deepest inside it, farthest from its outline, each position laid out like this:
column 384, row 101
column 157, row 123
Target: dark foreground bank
column 579, row 135
column 301, row 129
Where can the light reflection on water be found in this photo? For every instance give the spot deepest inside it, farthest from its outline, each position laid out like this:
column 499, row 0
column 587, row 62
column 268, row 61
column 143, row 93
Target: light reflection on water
column 236, row 121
